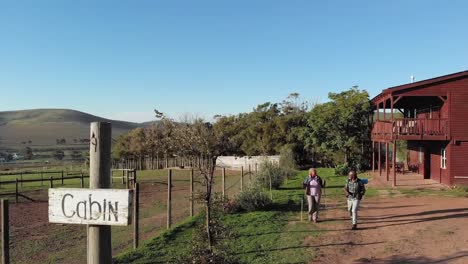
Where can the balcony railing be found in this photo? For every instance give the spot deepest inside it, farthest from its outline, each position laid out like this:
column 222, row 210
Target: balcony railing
column 411, row 128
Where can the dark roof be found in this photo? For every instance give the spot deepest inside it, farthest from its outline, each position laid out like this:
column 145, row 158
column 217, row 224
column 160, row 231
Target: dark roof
column 444, row 78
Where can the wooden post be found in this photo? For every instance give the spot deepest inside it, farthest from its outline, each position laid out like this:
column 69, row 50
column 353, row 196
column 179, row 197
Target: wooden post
column 394, row 163
column 373, row 156
column 386, row 160
column 123, row 176
column 134, row 177
column 51, row 182
column 16, row 190
column 223, row 181
column 42, row 178
column 250, row 174
column 99, row 237
column 127, row 178
column 62, row 177
column 191, row 193
column 242, row 179
column 21, row 178
column 82, row 180
column 136, row 215
column 380, row 158
column 5, row 232
column 169, row 197
column 256, row 168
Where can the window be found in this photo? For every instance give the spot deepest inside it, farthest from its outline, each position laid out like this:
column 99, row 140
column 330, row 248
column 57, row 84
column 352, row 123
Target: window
column 421, row 152
column 443, row 158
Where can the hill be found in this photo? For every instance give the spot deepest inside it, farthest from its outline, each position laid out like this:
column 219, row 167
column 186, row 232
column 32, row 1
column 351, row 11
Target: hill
column 45, row 126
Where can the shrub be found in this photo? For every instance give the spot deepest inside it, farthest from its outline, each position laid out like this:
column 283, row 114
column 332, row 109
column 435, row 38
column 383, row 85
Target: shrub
column 273, row 172
column 252, row 199
column 342, row 169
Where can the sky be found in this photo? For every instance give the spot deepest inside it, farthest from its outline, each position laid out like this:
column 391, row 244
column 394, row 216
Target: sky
column 122, row 59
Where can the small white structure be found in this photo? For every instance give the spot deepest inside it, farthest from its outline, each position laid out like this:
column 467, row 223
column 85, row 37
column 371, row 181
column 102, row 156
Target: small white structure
column 234, row 162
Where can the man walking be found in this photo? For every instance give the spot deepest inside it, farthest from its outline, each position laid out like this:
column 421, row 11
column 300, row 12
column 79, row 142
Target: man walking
column 313, row 185
column 354, row 190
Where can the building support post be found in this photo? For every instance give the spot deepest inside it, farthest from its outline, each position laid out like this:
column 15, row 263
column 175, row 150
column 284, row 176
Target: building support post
column 394, row 163
column 386, row 160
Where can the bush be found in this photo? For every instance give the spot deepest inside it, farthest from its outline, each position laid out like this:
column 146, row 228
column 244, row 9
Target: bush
column 253, row 199
column 342, row 169
column 273, row 172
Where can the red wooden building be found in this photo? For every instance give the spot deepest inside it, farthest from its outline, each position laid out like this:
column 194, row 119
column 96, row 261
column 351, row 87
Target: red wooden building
column 432, row 116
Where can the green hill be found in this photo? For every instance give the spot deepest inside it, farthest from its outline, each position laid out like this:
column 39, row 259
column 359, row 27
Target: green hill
column 45, row 126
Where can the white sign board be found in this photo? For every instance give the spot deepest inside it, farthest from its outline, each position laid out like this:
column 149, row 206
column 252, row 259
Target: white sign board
column 90, row 206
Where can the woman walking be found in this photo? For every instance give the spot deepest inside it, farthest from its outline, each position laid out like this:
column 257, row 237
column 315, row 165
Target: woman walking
column 354, row 190
column 313, row 185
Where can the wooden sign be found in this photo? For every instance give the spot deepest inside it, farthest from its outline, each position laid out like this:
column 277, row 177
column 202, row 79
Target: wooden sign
column 90, row 206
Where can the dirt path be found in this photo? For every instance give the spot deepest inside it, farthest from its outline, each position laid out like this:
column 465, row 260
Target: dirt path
column 395, row 230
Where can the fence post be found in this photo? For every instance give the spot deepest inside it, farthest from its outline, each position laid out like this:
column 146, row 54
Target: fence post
column 169, row 197
column 136, row 216
column 223, row 181
column 256, row 168
column 242, row 179
column 82, row 180
column 62, row 177
column 191, row 193
column 127, row 178
column 99, row 237
column 42, row 178
column 16, row 190
column 51, row 182
column 250, row 173
column 5, row 232
column 123, row 176
column 21, row 177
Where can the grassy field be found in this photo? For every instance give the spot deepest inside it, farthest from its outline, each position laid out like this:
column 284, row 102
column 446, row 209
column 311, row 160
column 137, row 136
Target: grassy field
column 274, row 236
column 33, row 236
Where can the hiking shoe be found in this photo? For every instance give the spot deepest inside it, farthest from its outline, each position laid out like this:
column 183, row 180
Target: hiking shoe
column 354, row 227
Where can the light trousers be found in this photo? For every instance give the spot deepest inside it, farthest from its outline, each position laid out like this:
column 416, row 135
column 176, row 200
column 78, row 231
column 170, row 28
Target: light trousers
column 353, row 207
column 313, row 212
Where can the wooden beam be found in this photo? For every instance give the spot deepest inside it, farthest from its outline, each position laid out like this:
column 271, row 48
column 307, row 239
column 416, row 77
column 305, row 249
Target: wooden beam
column 373, row 156
column 442, row 98
column 397, row 99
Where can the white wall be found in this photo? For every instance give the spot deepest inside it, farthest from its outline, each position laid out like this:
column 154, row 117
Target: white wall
column 237, row 162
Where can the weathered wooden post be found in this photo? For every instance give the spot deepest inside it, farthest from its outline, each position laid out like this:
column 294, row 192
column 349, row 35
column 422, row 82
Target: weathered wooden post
column 223, row 181
column 16, row 190
column 242, row 179
column 51, row 182
column 82, row 180
column 21, row 177
column 136, row 215
column 191, row 193
column 169, row 197
column 127, row 180
column 62, row 177
column 5, row 232
column 42, row 178
column 256, row 168
column 250, row 173
column 99, row 237
column 123, row 176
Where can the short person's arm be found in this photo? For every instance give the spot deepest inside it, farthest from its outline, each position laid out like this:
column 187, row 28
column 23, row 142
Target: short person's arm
column 346, row 190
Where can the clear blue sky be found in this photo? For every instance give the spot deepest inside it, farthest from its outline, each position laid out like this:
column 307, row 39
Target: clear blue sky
column 122, row 59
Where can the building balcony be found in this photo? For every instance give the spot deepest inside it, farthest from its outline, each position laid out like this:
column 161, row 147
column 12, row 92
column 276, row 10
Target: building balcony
column 411, row 129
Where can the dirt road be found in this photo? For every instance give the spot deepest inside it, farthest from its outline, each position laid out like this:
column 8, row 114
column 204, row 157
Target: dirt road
column 396, row 230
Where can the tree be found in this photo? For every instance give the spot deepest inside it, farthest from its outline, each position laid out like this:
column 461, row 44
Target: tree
column 341, row 125
column 59, row 154
column 28, row 153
